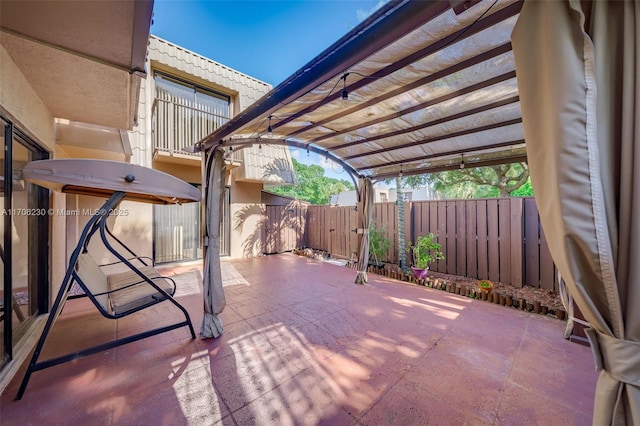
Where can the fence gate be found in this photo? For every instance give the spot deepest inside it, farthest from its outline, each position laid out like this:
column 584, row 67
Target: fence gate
column 284, row 228
column 343, row 240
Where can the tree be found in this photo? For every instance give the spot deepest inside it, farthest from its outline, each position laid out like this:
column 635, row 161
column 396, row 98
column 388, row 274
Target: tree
column 312, row 185
column 502, row 180
column 413, row 181
column 401, row 237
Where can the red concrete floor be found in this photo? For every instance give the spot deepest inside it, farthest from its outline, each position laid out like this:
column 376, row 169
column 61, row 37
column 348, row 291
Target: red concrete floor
column 305, row 345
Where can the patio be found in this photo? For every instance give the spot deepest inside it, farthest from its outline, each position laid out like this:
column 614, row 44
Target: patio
column 304, row 345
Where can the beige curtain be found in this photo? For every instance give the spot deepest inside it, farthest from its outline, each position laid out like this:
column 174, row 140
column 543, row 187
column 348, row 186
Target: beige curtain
column 214, row 301
column 365, row 208
column 578, row 77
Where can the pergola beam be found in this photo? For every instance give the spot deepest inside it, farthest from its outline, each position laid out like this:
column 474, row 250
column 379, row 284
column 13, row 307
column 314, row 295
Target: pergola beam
column 475, row 60
column 444, row 154
column 388, row 24
column 501, row 15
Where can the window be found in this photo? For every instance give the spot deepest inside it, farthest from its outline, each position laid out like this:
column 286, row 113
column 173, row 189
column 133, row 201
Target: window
column 183, row 112
column 24, row 226
column 177, row 233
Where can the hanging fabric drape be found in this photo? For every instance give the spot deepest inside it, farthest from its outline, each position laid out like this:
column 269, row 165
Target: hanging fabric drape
column 578, row 78
column 214, row 301
column 365, row 193
column 567, row 303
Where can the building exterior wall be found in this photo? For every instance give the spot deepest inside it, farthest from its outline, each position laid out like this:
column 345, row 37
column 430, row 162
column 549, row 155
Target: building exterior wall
column 42, row 86
column 23, row 103
column 242, row 90
column 384, row 195
column 169, row 57
column 246, row 229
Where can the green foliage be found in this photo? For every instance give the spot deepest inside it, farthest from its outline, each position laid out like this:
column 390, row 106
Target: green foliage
column 378, row 243
column 525, row 190
column 503, row 180
column 485, row 284
column 312, row 185
column 425, row 251
column 413, row 181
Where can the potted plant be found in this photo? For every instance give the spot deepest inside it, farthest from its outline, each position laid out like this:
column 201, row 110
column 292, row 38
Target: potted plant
column 425, row 251
column 378, row 244
column 485, row 285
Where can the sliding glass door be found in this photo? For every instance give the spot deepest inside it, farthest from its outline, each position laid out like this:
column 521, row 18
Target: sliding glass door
column 24, row 236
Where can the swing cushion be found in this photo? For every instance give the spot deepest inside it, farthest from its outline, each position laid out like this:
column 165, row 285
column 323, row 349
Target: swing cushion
column 124, row 292
column 139, row 294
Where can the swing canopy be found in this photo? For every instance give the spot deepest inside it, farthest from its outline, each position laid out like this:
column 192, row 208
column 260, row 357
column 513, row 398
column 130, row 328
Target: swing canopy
column 101, row 178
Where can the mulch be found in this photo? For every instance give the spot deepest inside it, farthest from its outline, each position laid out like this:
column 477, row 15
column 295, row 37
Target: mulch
column 544, row 296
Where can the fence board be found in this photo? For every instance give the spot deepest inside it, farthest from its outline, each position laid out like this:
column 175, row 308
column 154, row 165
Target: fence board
column 407, row 231
column 483, row 258
column 472, row 239
column 353, row 236
column 494, row 245
column 331, row 234
column 516, row 242
column 442, row 233
column 504, row 228
column 548, row 274
column 387, row 221
column 450, row 234
column 531, row 244
column 461, row 239
column 416, row 222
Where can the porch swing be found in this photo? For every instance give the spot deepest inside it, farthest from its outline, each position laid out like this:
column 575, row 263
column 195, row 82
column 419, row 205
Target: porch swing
column 128, row 291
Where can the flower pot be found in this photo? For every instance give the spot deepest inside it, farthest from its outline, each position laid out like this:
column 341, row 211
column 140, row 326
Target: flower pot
column 420, row 273
column 485, row 285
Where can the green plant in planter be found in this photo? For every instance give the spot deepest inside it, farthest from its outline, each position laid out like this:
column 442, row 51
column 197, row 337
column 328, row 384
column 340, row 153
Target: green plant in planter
column 378, row 243
column 425, row 251
column 485, row 285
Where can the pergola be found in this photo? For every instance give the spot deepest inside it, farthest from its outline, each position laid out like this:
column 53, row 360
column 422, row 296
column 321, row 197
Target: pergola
column 421, row 87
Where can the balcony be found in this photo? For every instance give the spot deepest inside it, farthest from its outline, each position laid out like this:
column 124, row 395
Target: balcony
column 176, row 125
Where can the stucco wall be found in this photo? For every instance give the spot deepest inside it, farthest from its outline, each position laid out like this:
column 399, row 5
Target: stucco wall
column 129, row 223
column 246, row 229
column 21, row 101
column 247, row 213
column 191, row 174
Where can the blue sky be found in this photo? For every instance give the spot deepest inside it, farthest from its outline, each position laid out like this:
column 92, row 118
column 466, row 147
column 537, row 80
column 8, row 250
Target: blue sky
column 268, row 40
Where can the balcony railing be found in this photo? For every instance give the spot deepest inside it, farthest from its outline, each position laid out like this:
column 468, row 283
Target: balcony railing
column 175, row 126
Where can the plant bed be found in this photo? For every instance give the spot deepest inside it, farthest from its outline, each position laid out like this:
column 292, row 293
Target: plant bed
column 548, row 301
column 543, row 301
column 545, row 298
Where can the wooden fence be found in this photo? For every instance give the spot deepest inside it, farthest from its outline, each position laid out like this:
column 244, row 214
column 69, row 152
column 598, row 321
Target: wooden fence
column 499, row 239
column 284, row 224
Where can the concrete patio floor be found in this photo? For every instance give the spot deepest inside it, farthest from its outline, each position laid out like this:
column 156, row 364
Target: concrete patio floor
column 304, row 345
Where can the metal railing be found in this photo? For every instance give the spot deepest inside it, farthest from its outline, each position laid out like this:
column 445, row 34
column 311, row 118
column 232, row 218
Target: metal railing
column 176, row 125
